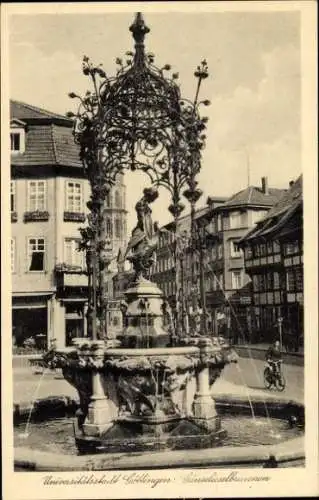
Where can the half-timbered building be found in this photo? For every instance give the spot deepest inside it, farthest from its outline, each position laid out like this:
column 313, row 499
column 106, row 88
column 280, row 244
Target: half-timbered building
column 273, row 253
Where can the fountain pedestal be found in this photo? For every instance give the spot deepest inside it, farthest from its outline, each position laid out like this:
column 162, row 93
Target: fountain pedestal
column 204, row 410
column 144, row 316
column 100, row 410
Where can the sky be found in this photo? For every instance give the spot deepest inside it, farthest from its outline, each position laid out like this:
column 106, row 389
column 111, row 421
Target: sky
column 253, row 85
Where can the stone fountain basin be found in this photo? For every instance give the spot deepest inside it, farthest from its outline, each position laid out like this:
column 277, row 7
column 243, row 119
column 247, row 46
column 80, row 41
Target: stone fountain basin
column 290, row 453
column 143, row 382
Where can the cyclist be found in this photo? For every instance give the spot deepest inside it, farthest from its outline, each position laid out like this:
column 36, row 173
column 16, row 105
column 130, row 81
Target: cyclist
column 274, row 358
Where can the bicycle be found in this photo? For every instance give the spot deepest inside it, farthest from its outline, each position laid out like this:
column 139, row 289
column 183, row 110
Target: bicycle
column 274, row 376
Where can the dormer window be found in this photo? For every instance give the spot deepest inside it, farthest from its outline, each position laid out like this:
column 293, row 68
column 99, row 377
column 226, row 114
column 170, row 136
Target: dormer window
column 15, row 141
column 17, row 136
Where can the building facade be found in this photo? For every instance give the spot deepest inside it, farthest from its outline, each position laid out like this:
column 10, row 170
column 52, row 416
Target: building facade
column 274, row 261
column 229, row 297
column 190, row 260
column 48, row 195
column 223, row 286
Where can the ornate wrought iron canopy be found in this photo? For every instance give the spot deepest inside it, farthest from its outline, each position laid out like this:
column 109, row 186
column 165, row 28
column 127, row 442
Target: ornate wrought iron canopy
column 138, row 120
column 135, row 120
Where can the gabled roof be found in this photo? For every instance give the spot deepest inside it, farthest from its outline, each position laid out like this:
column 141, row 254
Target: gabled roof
column 291, row 196
column 253, row 196
column 279, row 217
column 30, row 113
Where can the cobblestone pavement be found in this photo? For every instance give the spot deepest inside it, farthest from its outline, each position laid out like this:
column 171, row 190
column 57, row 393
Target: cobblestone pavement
column 28, row 386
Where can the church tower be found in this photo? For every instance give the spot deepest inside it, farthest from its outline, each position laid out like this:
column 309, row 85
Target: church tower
column 115, row 218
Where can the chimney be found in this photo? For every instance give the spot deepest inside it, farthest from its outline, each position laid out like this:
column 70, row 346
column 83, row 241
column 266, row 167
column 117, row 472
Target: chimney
column 264, row 185
column 291, row 183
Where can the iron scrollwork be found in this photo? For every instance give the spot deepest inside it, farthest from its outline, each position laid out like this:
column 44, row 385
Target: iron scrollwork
column 136, row 120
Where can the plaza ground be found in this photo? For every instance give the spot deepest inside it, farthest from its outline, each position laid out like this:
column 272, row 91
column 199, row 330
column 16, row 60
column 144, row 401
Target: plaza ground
column 246, row 376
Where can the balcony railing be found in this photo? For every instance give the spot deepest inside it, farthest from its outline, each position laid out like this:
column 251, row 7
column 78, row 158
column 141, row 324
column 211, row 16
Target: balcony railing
column 74, row 216
column 36, row 215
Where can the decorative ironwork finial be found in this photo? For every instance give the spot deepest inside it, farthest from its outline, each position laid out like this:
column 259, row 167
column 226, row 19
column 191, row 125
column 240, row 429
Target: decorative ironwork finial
column 139, row 28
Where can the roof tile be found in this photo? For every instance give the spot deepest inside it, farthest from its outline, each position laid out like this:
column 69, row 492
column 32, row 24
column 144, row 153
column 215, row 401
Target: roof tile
column 294, row 194
column 49, row 145
column 24, row 111
column 253, row 195
column 280, row 215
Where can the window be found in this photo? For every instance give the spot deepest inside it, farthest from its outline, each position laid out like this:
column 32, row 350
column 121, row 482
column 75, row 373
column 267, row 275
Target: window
column 235, row 220
column 248, row 252
column 109, row 231
column 256, row 282
column 214, row 253
column 12, row 196
column 72, row 255
column 117, row 228
column 256, row 251
column 269, row 281
column 234, row 250
column 299, row 279
column 257, row 215
column 276, row 280
column 117, row 199
column 13, row 255
column 236, row 280
column 294, row 279
column 220, row 251
column 262, row 249
column 37, row 196
column 269, row 247
column 226, row 222
column 219, row 222
column 108, row 200
column 74, row 198
column 36, row 254
column 17, row 137
column 16, row 142
column 262, row 283
column 276, row 247
column 291, row 248
column 290, row 277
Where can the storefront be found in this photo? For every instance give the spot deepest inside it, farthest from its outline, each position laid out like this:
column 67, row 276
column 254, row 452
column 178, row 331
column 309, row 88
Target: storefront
column 30, row 318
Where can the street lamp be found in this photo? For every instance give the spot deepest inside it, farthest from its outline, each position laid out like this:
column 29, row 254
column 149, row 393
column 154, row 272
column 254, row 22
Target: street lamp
column 280, row 321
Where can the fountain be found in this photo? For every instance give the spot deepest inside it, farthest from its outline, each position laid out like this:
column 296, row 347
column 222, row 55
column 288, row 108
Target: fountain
column 151, row 388
column 145, row 394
